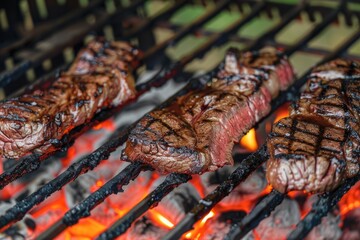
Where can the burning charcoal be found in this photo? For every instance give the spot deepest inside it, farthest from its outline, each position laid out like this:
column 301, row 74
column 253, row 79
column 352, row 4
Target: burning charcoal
column 217, row 228
column 86, row 184
column 329, row 229
column 246, row 191
column 30, row 183
column 280, row 222
column 145, row 229
column 23, row 229
column 178, row 202
column 351, row 227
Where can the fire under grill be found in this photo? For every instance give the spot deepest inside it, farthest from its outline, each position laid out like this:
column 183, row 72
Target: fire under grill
column 40, row 40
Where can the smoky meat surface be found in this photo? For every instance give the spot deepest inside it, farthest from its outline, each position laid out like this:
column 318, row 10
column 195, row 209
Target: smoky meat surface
column 196, row 132
column 317, row 147
column 99, row 78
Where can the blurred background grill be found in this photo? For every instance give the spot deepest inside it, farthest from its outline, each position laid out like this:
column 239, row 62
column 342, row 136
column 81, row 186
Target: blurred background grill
column 180, row 38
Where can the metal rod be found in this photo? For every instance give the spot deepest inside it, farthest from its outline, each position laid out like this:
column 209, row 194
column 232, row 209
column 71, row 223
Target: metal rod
column 317, row 29
column 50, row 28
column 285, row 20
column 215, row 40
column 165, row 13
column 8, row 76
column 120, row 226
column 320, row 209
column 246, row 167
column 83, row 209
column 257, row 214
column 183, row 31
column 18, row 211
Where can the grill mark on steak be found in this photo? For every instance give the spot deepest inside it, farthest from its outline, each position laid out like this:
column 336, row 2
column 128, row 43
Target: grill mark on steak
column 330, row 154
column 196, row 132
column 96, row 80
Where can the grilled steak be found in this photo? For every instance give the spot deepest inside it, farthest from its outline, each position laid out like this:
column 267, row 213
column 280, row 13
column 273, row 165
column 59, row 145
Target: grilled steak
column 196, row 132
column 318, row 146
column 99, row 78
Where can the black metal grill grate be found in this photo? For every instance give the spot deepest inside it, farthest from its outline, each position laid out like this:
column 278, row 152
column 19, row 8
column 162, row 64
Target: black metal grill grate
column 23, row 51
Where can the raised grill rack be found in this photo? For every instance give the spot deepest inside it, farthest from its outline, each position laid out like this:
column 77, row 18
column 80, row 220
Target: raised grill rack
column 16, row 76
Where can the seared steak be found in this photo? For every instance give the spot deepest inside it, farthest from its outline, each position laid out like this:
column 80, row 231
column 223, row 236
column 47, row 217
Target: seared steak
column 99, row 78
column 318, row 146
column 196, row 132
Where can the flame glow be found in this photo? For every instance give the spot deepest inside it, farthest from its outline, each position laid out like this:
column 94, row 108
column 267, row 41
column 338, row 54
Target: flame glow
column 161, row 220
column 249, row 141
column 351, row 200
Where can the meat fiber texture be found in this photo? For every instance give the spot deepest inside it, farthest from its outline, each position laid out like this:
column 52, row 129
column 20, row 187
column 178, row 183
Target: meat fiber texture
column 317, row 147
column 99, row 78
column 196, row 133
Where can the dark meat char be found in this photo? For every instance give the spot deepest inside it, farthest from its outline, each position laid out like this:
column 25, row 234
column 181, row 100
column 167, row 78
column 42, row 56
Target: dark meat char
column 318, row 146
column 196, row 132
column 99, row 78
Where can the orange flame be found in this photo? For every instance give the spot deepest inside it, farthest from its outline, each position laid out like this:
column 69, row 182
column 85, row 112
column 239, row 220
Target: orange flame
column 199, row 227
column 249, row 141
column 161, row 220
column 108, row 125
column 282, row 112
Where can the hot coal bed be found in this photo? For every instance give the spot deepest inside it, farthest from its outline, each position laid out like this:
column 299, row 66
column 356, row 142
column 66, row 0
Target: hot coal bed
column 83, row 191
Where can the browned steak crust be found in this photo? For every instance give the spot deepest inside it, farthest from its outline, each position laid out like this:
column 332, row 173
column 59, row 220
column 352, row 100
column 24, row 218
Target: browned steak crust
column 99, row 78
column 196, row 132
column 318, row 146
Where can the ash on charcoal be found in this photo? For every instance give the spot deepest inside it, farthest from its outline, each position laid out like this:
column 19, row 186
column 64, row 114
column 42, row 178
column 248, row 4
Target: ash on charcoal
column 145, row 229
column 86, row 184
column 217, row 228
column 23, row 229
column 329, row 228
column 30, row 184
column 178, row 202
column 247, row 191
column 351, row 229
column 281, row 221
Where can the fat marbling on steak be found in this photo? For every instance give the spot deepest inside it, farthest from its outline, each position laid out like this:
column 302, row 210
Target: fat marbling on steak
column 318, row 146
column 197, row 131
column 100, row 77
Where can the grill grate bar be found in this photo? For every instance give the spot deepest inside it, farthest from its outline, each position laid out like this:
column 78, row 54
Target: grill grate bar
column 152, row 199
column 205, row 205
column 8, row 77
column 320, row 209
column 50, row 28
column 246, row 167
column 215, row 40
column 83, row 209
column 149, row 23
column 257, row 214
column 318, row 28
column 189, row 28
column 83, row 165
column 269, row 35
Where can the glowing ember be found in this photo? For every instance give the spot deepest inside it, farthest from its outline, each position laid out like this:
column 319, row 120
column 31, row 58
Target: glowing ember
column 280, row 113
column 249, row 141
column 161, row 220
column 351, row 200
column 108, row 125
